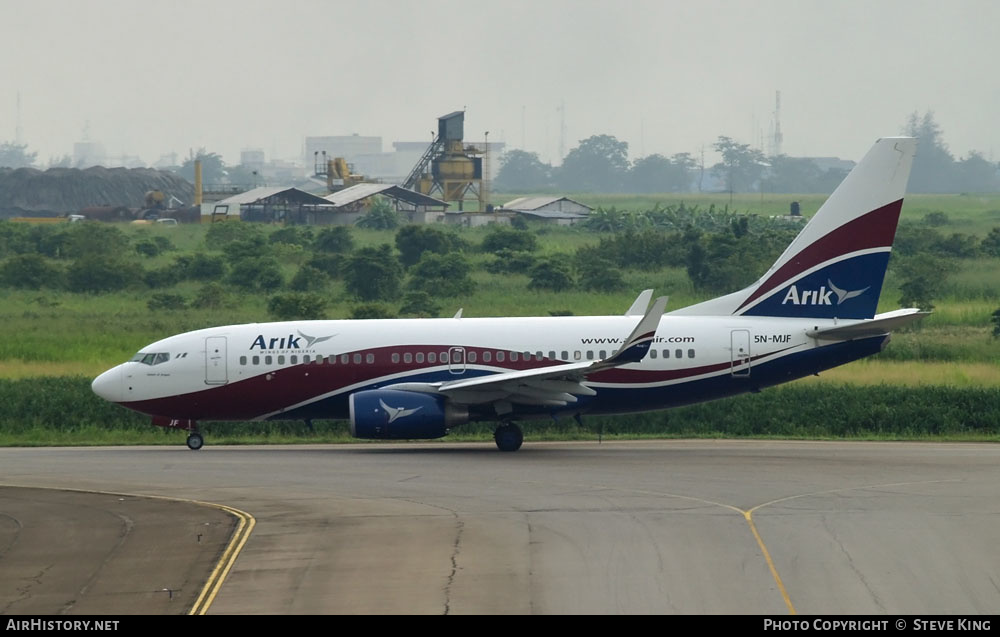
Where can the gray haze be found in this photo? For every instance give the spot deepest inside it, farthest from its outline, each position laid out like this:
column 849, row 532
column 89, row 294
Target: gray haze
column 147, row 77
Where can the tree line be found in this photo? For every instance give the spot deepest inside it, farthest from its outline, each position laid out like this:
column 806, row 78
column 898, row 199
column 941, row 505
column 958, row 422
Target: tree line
column 600, row 164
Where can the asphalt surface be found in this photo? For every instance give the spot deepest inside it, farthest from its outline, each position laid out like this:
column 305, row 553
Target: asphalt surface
column 688, row 527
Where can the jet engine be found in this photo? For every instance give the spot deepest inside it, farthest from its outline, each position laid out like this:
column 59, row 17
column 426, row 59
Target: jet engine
column 403, row 415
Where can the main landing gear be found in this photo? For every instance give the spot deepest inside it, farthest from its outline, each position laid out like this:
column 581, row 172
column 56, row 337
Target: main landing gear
column 508, row 437
column 195, row 441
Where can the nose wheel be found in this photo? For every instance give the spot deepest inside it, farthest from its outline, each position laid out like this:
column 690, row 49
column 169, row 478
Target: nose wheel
column 508, row 437
column 195, row 441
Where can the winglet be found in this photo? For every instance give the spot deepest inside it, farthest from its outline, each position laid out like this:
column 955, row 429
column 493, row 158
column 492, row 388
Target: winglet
column 637, row 344
column 458, row 314
column 640, row 304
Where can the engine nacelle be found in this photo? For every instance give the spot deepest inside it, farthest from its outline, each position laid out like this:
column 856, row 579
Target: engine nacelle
column 403, row 415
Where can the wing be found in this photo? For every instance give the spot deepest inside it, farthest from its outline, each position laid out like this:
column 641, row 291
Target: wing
column 555, row 386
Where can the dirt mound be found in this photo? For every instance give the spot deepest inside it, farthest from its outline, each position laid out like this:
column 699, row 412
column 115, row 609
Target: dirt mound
column 59, row 191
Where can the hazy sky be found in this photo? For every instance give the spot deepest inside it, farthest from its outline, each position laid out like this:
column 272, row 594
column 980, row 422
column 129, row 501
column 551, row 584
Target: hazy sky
column 147, row 77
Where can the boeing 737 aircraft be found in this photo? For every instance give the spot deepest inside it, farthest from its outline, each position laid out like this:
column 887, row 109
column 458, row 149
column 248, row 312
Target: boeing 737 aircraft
column 417, row 378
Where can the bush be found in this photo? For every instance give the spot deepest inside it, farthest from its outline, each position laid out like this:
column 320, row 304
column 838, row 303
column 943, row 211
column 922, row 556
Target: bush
column 381, row 216
column 147, row 248
column 294, row 306
column 371, row 311
column 414, row 240
column 260, row 274
column 442, row 275
column 331, row 264
column 552, row 274
column 501, row 238
column 161, row 301
column 601, row 276
column 419, row 303
column 221, row 234
column 335, row 239
column 102, row 273
column 373, row 274
column 30, row 272
column 211, row 296
column 162, row 277
column 95, row 239
column 309, row 279
column 293, row 235
column 508, row 262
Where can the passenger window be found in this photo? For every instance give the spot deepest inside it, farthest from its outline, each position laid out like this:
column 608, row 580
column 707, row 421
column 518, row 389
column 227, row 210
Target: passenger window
column 513, row 357
column 666, row 353
column 293, row 359
column 487, row 357
column 604, row 354
column 345, row 359
column 456, row 356
column 690, row 353
column 576, row 355
column 357, row 359
column 243, row 360
column 552, row 355
column 395, row 357
column 527, row 356
column 501, row 356
column 256, row 360
column 281, row 359
column 369, row 358
column 590, row 354
column 565, row 355
column 306, row 358
column 432, row 357
column 652, row 353
column 678, row 353
column 268, row 360
column 472, row 357
column 419, row 356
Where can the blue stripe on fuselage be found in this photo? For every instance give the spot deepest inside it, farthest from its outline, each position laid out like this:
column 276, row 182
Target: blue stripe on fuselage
column 619, row 399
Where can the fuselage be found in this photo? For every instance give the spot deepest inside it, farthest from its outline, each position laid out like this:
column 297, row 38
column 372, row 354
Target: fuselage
column 308, row 369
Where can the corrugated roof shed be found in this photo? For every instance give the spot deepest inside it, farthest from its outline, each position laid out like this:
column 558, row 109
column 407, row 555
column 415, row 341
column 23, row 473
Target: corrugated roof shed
column 363, row 191
column 263, row 193
column 536, row 203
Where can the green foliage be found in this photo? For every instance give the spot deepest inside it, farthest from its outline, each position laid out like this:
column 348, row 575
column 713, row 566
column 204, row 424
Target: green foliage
column 30, row 272
column 335, row 239
column 293, row 235
column 147, row 248
column 599, row 164
column 373, row 274
column 162, row 301
column 309, row 279
column 371, row 311
column 991, row 244
column 419, row 303
column 225, row 232
column 721, row 263
column 936, row 219
column 522, row 171
column 248, row 248
column 442, row 275
column 503, row 238
column 102, row 273
column 741, row 165
column 200, row 266
column 995, row 319
column 256, row 274
column 510, row 262
column 213, row 168
column 211, row 296
column 600, row 275
column 923, row 279
column 380, row 216
column 93, row 238
column 330, row 264
column 293, row 306
column 414, row 240
column 552, row 274
column 162, row 277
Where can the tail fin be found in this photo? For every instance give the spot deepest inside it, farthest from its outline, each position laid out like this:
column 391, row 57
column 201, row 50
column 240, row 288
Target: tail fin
column 835, row 267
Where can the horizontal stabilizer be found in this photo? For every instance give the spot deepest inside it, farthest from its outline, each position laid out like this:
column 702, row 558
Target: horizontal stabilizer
column 881, row 324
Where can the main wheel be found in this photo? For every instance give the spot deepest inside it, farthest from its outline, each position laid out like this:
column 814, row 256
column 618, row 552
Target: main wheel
column 508, row 437
column 195, row 441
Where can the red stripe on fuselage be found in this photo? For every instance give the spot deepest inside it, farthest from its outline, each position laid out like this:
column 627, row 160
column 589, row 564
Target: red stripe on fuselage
column 875, row 229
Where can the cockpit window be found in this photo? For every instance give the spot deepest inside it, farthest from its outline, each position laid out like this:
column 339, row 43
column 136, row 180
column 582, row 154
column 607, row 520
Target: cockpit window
column 150, row 358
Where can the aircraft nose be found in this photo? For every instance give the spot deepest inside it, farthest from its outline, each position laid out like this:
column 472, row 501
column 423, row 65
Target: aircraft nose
column 109, row 385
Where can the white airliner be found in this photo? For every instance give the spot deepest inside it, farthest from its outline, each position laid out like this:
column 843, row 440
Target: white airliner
column 418, row 378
